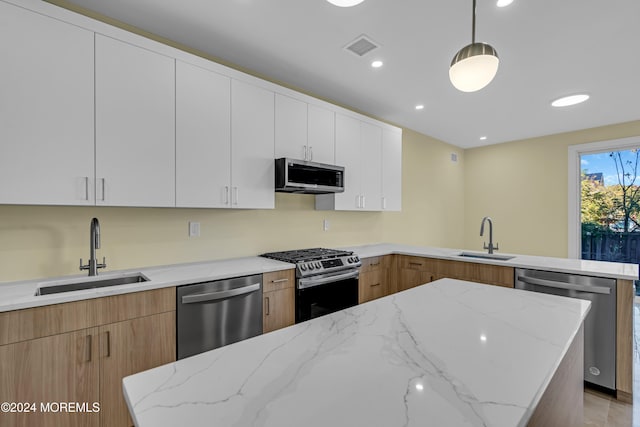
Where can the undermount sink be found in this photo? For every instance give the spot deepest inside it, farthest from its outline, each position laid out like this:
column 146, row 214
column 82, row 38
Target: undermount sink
column 91, row 284
column 496, row 257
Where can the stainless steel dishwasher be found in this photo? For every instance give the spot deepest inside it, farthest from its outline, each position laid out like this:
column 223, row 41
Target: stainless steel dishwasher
column 600, row 324
column 214, row 314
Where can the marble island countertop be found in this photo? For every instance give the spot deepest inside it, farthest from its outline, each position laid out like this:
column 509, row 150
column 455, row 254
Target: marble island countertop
column 20, row 295
column 450, row 353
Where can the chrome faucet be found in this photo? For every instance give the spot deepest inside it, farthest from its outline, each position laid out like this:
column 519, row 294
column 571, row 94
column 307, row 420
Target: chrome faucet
column 94, row 243
column 490, row 248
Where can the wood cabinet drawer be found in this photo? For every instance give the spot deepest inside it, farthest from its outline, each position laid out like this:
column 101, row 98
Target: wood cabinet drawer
column 278, row 280
column 374, row 263
column 37, row 322
column 418, row 263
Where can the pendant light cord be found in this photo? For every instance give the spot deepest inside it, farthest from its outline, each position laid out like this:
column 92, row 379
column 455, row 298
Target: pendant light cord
column 473, row 25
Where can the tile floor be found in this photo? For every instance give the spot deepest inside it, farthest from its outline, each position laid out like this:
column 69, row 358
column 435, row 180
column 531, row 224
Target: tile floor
column 601, row 410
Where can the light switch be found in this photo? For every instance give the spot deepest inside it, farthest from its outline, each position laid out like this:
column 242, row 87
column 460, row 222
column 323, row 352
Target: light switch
column 194, row 229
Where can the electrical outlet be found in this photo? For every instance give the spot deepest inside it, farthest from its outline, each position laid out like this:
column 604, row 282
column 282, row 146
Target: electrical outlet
column 325, row 224
column 194, row 229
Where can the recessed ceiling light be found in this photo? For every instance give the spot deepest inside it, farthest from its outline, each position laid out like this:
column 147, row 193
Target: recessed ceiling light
column 345, row 3
column 503, row 3
column 482, row 138
column 420, row 107
column 376, row 64
column 566, row 101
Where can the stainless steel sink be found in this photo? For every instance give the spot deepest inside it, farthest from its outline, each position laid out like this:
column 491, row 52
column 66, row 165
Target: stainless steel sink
column 496, row 257
column 91, row 284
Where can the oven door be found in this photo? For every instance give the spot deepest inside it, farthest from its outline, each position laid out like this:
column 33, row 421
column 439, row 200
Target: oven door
column 326, row 293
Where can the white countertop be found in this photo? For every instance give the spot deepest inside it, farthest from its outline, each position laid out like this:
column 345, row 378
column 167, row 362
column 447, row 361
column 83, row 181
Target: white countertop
column 19, row 295
column 563, row 265
column 450, row 353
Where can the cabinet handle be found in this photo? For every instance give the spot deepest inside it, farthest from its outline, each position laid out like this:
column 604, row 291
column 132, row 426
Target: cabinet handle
column 86, row 188
column 107, row 344
column 226, row 194
column 266, row 300
column 305, row 152
column 384, row 203
column 310, row 153
column 375, row 284
column 358, row 201
column 87, row 351
column 431, row 279
column 374, row 265
column 235, row 193
column 279, row 280
column 419, row 264
column 103, row 186
column 364, row 202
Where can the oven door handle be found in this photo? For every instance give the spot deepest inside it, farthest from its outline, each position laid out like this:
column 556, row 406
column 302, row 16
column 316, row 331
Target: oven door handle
column 220, row 295
column 324, row 279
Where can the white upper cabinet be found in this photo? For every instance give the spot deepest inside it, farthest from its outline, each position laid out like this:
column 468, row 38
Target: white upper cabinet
column 391, row 170
column 291, row 128
column 135, row 125
column 321, row 134
column 347, row 155
column 304, row 131
column 203, row 138
column 46, row 110
column 366, row 151
column 371, row 158
column 252, row 147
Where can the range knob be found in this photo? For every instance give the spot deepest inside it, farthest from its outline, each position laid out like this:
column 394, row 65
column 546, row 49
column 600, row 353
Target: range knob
column 310, row 266
column 318, row 265
column 351, row 260
column 303, row 267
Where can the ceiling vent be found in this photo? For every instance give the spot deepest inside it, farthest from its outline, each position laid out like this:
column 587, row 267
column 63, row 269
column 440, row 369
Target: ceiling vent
column 361, row 45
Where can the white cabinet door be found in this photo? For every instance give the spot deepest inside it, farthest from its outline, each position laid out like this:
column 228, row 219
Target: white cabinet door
column 252, row 147
column 46, row 110
column 371, row 164
column 321, row 134
column 348, row 155
column 291, row 128
column 135, row 125
column 391, row 170
column 203, row 138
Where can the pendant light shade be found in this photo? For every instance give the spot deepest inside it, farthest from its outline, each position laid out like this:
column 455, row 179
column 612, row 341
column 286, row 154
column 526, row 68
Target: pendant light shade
column 475, row 65
column 345, row 3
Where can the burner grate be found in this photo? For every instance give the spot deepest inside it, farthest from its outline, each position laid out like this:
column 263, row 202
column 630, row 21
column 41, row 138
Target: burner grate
column 304, row 255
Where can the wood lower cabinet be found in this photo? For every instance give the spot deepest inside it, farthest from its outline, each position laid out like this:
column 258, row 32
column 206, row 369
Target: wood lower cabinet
column 413, row 271
column 127, row 348
column 79, row 352
column 375, row 279
column 59, row 368
column 278, row 297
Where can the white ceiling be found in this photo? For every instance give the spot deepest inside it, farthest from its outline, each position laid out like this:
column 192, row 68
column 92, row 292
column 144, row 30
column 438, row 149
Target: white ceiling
column 547, row 48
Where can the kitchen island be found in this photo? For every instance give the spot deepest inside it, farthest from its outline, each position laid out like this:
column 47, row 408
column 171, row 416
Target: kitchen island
column 450, row 353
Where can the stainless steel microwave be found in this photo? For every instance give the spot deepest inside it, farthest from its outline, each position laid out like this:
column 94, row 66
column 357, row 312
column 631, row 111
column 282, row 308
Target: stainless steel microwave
column 301, row 176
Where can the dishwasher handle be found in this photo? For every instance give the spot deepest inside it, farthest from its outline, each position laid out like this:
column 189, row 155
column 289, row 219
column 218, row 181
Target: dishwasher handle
column 562, row 285
column 220, row 295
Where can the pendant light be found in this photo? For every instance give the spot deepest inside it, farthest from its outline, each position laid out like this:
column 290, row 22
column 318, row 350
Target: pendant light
column 475, row 65
column 345, row 3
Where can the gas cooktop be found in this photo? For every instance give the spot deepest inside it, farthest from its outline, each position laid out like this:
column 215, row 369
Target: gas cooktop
column 315, row 261
column 305, row 255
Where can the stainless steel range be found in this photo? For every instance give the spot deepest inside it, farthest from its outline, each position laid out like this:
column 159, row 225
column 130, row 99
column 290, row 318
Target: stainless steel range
column 326, row 280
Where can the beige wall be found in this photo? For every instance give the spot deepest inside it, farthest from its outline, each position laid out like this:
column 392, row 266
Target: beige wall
column 522, row 185
column 42, row 241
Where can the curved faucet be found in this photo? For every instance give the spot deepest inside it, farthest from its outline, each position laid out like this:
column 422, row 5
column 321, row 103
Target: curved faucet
column 490, row 247
column 94, row 243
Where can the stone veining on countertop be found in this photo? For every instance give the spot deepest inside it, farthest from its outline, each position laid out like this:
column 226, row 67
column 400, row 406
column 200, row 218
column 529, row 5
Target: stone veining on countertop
column 397, row 361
